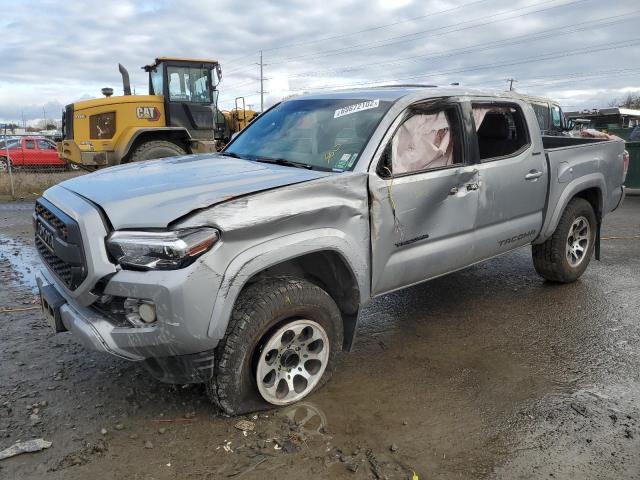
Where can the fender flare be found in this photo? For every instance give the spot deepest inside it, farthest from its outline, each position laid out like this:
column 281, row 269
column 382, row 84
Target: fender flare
column 593, row 180
column 262, row 256
column 124, row 151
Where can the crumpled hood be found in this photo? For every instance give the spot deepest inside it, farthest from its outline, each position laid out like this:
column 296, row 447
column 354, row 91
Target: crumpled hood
column 155, row 193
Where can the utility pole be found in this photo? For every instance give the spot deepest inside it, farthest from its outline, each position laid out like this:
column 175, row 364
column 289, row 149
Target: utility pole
column 511, row 80
column 44, row 114
column 24, row 125
column 261, row 86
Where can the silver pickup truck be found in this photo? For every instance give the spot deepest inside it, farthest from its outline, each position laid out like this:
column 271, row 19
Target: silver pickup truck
column 247, row 270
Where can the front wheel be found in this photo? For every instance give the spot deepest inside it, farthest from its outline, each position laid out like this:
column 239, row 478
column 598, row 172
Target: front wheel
column 156, row 149
column 565, row 256
column 281, row 344
column 4, row 165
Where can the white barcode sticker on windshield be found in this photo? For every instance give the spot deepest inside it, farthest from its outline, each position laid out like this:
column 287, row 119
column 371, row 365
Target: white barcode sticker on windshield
column 358, row 107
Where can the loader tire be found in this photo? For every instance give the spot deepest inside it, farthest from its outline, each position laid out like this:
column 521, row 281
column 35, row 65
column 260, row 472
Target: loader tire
column 564, row 257
column 266, row 312
column 156, row 149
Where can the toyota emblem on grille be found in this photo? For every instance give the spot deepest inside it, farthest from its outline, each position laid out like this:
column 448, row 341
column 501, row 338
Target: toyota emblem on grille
column 45, row 235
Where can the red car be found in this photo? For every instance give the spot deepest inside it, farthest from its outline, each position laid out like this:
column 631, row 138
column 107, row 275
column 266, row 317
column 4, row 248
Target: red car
column 32, row 152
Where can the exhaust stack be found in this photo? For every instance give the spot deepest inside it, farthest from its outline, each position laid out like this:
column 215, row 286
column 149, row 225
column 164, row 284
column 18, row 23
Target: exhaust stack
column 126, row 85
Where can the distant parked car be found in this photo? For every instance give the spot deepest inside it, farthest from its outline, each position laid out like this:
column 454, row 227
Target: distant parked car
column 32, row 152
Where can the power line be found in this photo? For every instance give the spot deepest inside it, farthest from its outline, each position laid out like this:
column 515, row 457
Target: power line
column 562, row 77
column 536, row 58
column 563, row 30
column 421, row 34
column 430, row 32
column 380, row 27
column 619, row 73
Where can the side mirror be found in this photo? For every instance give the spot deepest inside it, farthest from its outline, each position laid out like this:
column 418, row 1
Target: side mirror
column 571, row 124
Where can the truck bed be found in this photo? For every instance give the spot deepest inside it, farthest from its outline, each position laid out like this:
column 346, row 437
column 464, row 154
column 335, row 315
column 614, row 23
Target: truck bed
column 576, row 164
column 552, row 142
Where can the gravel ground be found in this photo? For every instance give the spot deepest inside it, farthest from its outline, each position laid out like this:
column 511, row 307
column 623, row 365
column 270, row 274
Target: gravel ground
column 487, row 373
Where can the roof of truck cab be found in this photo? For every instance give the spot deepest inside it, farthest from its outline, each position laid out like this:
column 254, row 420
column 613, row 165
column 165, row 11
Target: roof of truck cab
column 177, row 59
column 395, row 92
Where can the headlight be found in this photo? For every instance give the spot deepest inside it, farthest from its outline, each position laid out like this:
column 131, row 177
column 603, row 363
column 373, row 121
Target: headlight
column 160, row 250
column 102, row 126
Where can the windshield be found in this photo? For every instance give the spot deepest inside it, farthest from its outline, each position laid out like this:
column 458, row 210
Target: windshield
column 323, row 134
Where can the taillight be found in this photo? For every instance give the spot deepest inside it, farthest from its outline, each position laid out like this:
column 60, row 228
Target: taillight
column 625, row 165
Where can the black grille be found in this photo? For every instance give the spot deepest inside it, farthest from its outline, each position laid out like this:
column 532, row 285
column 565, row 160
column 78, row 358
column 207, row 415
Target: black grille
column 59, row 267
column 59, row 243
column 46, row 214
column 67, row 122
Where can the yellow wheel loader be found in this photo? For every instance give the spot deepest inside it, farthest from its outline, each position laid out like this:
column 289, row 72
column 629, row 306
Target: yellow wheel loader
column 178, row 117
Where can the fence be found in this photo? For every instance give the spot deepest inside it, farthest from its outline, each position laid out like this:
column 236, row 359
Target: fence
column 29, row 164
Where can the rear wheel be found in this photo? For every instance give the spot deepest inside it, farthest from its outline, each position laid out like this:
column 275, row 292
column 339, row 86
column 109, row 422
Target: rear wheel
column 156, row 149
column 565, row 256
column 281, row 344
column 4, row 165
column 73, row 166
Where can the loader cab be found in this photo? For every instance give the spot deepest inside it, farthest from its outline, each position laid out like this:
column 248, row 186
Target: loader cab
column 190, row 95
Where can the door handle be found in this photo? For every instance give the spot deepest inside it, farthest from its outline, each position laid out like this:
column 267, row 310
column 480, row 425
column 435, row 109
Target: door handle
column 533, row 175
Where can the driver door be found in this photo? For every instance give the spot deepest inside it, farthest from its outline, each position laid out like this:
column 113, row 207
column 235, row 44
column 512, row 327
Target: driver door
column 424, row 198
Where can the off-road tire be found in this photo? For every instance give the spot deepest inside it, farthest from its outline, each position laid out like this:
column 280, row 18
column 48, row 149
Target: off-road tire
column 550, row 259
column 259, row 310
column 156, row 149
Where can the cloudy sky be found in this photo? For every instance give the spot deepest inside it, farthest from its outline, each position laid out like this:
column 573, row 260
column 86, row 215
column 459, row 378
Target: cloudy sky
column 583, row 53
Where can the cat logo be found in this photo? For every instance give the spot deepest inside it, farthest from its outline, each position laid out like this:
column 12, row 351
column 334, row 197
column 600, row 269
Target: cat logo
column 149, row 113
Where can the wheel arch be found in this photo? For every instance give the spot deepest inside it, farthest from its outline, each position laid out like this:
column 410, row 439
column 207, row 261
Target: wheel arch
column 332, row 266
column 178, row 135
column 590, row 187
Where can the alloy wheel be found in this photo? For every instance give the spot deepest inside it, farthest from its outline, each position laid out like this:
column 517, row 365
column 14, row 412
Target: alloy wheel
column 578, row 241
column 292, row 362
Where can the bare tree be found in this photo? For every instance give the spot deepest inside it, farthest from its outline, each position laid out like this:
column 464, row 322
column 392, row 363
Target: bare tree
column 631, row 100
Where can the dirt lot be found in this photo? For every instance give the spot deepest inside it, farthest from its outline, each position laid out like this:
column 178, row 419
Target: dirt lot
column 487, row 373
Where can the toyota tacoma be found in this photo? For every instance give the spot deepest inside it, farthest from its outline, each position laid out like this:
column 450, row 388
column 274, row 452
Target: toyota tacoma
column 247, row 269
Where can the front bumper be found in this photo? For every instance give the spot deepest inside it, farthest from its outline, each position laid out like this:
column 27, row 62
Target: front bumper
column 170, row 356
column 181, row 327
column 177, row 346
column 70, row 151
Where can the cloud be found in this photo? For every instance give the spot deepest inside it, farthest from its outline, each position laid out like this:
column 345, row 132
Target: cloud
column 56, row 52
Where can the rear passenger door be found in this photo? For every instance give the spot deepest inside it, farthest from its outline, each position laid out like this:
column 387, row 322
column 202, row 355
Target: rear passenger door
column 513, row 176
column 423, row 197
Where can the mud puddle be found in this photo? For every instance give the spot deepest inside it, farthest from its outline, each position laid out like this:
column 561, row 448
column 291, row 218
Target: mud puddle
column 18, row 262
